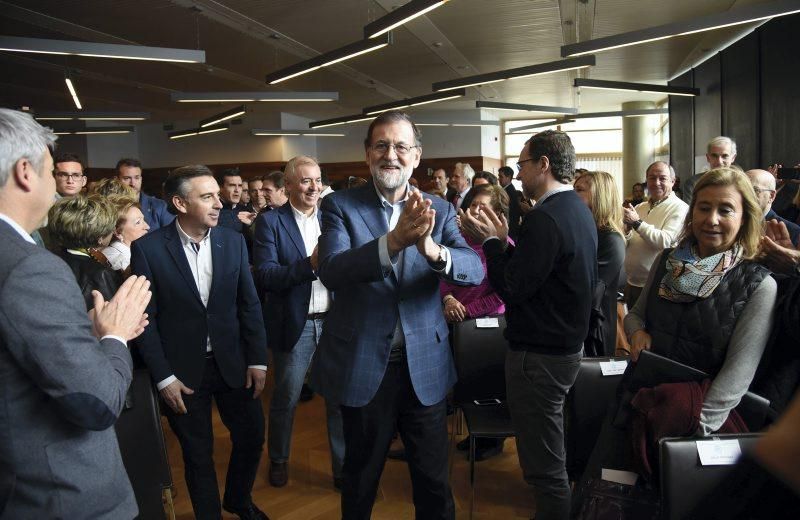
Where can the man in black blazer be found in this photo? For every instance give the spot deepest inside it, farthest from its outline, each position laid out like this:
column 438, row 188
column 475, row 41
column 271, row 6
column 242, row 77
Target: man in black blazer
column 206, row 339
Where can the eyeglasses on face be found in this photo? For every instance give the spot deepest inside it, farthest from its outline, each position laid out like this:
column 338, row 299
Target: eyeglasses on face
column 66, row 175
column 519, row 164
column 759, row 190
column 400, row 148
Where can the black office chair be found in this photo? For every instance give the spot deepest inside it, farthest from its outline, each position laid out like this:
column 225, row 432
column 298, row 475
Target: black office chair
column 584, row 410
column 144, row 452
column 480, row 393
column 684, row 481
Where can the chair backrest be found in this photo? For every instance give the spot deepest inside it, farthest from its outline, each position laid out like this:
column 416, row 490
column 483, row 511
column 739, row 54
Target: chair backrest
column 684, row 481
column 480, row 357
column 585, row 408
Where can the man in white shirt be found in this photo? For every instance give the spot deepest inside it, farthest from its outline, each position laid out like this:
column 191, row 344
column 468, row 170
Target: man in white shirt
column 295, row 304
column 654, row 226
column 206, row 340
column 461, row 182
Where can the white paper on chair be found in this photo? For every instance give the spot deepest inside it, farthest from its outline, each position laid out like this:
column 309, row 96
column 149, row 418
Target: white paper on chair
column 613, row 368
column 620, row 477
column 487, row 323
column 719, row 452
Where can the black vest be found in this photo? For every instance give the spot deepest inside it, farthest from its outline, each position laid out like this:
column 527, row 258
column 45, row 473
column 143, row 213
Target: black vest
column 697, row 333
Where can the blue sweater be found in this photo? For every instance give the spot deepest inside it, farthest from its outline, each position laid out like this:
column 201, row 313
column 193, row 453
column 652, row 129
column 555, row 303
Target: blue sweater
column 547, row 280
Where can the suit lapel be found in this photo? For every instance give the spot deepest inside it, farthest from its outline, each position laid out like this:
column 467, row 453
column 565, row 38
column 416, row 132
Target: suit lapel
column 175, row 248
column 286, row 216
column 372, row 212
column 217, row 249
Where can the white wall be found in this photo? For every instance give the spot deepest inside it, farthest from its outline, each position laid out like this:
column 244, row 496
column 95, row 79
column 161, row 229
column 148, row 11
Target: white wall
column 105, row 150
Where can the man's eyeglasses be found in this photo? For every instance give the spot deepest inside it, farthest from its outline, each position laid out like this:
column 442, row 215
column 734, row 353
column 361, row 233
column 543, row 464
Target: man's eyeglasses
column 400, row 148
column 759, row 190
column 65, row 175
column 519, row 164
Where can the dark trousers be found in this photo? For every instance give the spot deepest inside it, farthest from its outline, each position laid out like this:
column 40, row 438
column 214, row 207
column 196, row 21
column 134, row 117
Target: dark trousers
column 537, row 385
column 244, row 418
column 368, row 431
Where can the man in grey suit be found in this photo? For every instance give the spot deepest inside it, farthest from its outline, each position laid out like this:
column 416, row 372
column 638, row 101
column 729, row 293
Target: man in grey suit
column 61, row 389
column 383, row 354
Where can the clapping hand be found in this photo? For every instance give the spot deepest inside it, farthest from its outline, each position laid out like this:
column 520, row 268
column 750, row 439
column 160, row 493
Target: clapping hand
column 484, row 225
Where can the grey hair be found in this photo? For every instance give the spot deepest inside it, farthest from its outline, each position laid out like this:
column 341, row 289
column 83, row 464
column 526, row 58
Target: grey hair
column 722, row 141
column 469, row 173
column 669, row 167
column 295, row 162
column 21, row 137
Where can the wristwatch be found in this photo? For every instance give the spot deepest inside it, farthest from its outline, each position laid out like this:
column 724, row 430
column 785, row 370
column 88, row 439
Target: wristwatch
column 441, row 261
column 636, row 224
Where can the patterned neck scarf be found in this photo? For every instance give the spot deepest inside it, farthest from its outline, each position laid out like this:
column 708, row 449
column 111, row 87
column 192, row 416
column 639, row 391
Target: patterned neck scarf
column 689, row 277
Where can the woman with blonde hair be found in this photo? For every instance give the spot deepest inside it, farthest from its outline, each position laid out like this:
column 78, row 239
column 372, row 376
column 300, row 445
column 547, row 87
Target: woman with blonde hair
column 706, row 303
column 82, row 226
column 599, row 191
column 130, row 226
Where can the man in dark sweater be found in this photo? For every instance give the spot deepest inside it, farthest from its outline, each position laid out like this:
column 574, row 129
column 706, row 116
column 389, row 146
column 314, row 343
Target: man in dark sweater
column 547, row 282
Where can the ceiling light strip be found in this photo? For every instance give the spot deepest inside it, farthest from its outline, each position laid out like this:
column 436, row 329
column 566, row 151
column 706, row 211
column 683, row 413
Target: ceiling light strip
column 400, row 16
column 198, row 131
column 223, row 116
column 73, row 93
column 50, row 115
column 752, row 13
column 520, row 72
column 100, row 50
column 245, row 97
column 329, row 58
column 293, row 133
column 525, row 108
column 638, row 87
column 344, row 120
column 415, row 101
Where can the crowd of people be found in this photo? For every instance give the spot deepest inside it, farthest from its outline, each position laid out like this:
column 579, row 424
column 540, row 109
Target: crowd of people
column 351, row 292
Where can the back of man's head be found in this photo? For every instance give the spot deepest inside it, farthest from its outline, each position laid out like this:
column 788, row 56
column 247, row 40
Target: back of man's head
column 557, row 147
column 21, row 137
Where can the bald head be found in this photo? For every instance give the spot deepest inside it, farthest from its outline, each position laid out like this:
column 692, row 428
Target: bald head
column 764, row 185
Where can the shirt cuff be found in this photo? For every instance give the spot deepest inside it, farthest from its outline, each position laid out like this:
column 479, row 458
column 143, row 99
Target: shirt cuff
column 166, row 382
column 260, row 367
column 387, row 262
column 489, row 238
column 118, row 338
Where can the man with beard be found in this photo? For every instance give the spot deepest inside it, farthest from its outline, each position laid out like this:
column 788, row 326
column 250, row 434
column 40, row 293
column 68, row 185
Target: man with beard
column 383, row 355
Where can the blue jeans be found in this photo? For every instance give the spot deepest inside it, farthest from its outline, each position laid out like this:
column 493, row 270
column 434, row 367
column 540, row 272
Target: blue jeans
column 290, row 371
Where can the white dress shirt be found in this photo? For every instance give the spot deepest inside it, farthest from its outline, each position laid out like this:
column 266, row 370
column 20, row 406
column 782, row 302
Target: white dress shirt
column 198, row 254
column 310, row 231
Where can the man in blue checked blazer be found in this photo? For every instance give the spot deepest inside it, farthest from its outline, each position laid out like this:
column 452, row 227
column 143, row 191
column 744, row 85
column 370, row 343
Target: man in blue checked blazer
column 384, row 354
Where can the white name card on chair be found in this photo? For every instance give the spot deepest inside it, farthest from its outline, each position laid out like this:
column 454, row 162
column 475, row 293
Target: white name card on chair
column 613, row 368
column 487, row 323
column 627, row 478
column 718, row 452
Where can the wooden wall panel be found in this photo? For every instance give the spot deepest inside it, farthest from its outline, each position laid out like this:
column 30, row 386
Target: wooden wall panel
column 740, row 90
column 681, row 128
